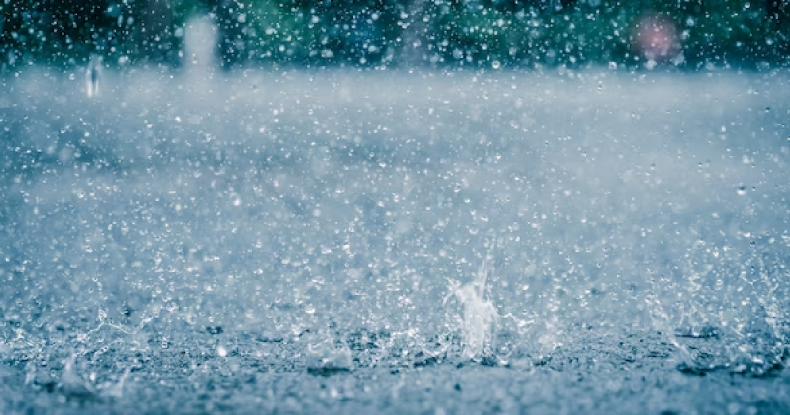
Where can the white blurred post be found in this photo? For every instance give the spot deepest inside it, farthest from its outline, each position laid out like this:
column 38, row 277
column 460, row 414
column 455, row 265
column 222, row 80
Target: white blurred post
column 200, row 40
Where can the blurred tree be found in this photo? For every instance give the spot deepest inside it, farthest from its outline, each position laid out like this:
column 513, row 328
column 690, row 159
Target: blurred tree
column 157, row 33
column 68, row 32
column 778, row 20
column 231, row 19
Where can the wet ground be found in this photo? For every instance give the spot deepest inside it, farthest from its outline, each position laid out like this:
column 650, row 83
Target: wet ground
column 286, row 242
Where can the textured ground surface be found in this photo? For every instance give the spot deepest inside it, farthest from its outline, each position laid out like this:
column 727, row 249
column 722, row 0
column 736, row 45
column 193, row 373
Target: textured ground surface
column 286, row 243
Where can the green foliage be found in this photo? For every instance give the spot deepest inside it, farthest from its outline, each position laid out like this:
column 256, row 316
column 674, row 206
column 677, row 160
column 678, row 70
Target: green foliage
column 736, row 31
column 68, row 32
column 317, row 32
column 476, row 33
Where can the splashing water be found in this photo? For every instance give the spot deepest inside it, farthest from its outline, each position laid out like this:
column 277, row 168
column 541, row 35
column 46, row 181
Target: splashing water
column 72, row 384
column 479, row 316
column 327, row 357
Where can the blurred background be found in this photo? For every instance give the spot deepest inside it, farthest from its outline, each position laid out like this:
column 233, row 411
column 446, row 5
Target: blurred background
column 687, row 34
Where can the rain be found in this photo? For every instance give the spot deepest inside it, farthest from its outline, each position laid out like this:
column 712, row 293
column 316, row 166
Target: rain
column 394, row 206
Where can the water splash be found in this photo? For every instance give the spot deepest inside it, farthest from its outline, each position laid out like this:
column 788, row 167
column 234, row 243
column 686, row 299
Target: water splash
column 72, row 385
column 479, row 316
column 661, row 322
column 327, row 357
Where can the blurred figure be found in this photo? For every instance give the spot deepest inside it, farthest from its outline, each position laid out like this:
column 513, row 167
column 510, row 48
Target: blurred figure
column 93, row 76
column 656, row 38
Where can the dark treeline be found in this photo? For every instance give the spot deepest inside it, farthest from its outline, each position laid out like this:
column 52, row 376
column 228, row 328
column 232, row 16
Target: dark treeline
column 685, row 33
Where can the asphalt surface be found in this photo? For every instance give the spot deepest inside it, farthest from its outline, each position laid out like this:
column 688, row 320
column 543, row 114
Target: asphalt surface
column 289, row 242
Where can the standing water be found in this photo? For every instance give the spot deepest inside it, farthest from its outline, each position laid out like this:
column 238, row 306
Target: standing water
column 285, row 246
